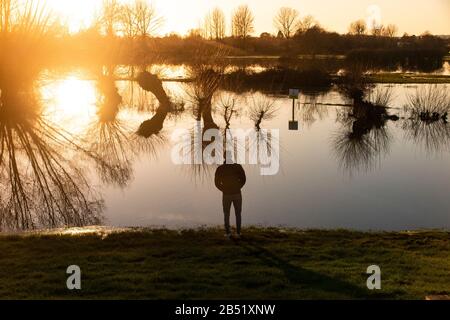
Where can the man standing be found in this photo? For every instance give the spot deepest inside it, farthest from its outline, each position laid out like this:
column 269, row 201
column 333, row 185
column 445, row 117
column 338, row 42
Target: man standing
column 230, row 179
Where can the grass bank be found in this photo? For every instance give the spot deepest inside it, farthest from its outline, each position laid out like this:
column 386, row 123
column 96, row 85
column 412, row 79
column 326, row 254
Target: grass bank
column 201, row 264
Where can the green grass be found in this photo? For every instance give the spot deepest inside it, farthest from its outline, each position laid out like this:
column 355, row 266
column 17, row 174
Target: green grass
column 201, row 264
column 403, row 78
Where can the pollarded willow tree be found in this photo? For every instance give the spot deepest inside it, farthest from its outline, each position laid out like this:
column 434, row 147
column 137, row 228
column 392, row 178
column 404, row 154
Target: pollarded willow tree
column 24, row 26
column 40, row 186
column 287, row 21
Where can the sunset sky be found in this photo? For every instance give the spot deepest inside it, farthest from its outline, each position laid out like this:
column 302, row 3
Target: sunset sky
column 411, row 16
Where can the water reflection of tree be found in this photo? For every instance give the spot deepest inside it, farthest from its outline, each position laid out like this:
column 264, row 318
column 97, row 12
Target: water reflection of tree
column 229, row 107
column 312, row 110
column 364, row 136
column 433, row 136
column 353, row 83
column 361, row 152
column 41, row 186
column 114, row 143
column 362, row 139
column 109, row 99
column 427, row 125
column 139, row 99
column 206, row 71
column 151, row 83
column 110, row 150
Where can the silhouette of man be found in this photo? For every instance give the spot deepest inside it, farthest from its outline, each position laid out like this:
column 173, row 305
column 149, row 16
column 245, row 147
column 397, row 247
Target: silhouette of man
column 230, row 179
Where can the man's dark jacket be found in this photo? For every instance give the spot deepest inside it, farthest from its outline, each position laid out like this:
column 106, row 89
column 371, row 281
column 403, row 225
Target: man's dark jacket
column 230, row 178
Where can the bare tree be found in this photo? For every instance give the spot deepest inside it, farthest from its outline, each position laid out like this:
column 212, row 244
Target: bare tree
column 206, row 69
column 357, row 27
column 195, row 33
column 139, row 19
column 23, row 27
column 214, row 25
column 146, row 18
column 262, row 109
column 306, row 23
column 128, row 20
column 110, row 17
column 287, row 21
column 390, row 30
column 40, row 186
column 207, row 28
column 242, row 23
column 30, row 18
column 5, row 15
column 377, row 30
column 218, row 23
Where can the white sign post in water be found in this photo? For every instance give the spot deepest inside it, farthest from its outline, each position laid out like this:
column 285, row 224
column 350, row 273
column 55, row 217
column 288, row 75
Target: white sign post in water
column 293, row 94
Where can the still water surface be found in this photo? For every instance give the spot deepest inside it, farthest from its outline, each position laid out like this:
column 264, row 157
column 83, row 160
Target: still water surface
column 394, row 177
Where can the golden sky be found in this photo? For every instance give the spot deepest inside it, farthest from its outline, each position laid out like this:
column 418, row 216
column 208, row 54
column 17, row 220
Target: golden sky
column 411, row 16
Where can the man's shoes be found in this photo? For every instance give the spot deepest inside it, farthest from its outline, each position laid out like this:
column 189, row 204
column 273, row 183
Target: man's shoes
column 238, row 236
column 227, row 235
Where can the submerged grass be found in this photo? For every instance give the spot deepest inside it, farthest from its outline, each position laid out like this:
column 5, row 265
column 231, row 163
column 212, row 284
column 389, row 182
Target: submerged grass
column 200, row 264
column 408, row 78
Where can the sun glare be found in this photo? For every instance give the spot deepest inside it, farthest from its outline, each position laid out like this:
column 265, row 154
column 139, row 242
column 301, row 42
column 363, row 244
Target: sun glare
column 72, row 102
column 76, row 14
column 79, row 14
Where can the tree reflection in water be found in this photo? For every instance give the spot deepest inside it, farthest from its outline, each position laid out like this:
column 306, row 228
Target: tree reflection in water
column 364, row 136
column 312, row 109
column 114, row 143
column 356, row 150
column 41, row 185
column 433, row 136
column 427, row 125
column 151, row 83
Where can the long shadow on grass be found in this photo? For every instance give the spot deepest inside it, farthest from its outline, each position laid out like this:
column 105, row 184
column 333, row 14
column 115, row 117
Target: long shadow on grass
column 310, row 280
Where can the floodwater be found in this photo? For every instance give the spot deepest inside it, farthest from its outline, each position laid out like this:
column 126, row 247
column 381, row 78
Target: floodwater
column 393, row 175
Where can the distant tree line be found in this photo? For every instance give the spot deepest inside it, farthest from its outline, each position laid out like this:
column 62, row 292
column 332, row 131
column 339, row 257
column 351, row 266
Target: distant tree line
column 127, row 33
